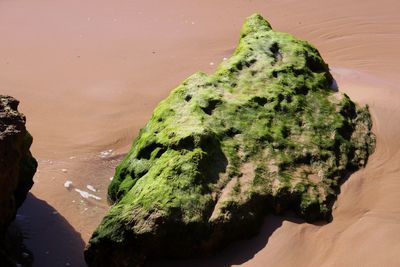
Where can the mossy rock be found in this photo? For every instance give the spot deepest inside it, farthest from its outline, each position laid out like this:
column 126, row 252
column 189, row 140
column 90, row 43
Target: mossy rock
column 264, row 133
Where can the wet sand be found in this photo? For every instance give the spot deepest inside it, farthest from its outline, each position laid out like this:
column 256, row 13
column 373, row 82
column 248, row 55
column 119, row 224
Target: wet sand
column 89, row 73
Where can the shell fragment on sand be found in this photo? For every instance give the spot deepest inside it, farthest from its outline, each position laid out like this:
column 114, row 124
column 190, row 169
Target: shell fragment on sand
column 91, row 188
column 87, row 195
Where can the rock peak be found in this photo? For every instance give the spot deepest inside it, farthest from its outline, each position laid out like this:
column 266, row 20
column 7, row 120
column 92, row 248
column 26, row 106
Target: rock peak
column 254, row 23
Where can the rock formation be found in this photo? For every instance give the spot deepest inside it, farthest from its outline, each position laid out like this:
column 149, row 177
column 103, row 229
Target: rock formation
column 17, row 167
column 264, row 133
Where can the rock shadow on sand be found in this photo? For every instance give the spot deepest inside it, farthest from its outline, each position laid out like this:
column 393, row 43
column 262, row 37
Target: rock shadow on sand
column 235, row 253
column 241, row 251
column 49, row 236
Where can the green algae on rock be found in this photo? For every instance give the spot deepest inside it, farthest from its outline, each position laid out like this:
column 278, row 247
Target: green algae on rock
column 264, row 133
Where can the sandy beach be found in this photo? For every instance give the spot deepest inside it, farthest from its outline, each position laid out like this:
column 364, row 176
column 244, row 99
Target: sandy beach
column 89, row 73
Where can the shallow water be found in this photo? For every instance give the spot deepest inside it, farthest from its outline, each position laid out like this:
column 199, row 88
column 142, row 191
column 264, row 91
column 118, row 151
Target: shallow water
column 89, row 73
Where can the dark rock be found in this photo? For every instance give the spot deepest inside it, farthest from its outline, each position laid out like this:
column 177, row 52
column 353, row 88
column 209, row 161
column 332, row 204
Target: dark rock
column 17, row 167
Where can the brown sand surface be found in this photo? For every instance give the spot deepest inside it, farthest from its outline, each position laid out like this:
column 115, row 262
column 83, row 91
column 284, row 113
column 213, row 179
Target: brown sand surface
column 89, row 73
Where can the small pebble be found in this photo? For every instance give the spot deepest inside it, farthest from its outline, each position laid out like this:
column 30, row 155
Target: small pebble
column 211, row 63
column 64, row 170
column 67, row 184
